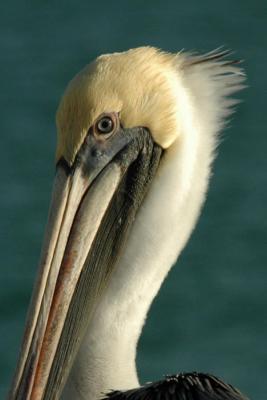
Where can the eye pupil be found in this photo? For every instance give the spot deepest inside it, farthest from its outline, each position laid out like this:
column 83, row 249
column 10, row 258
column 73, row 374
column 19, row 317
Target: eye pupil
column 105, row 125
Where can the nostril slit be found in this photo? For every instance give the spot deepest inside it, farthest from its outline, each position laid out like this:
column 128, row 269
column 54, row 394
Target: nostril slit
column 96, row 152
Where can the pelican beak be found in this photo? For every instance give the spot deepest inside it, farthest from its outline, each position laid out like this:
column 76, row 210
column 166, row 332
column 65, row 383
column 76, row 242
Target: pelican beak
column 94, row 203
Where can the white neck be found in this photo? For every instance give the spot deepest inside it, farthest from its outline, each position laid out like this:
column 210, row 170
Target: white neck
column 106, row 359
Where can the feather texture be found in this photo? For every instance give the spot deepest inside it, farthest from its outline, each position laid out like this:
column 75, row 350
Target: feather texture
column 148, row 87
column 184, row 386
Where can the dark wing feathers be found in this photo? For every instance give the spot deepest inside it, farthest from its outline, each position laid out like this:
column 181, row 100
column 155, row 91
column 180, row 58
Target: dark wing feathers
column 185, row 386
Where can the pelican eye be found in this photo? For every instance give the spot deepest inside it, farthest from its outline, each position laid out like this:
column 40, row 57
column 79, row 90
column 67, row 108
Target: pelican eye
column 105, row 125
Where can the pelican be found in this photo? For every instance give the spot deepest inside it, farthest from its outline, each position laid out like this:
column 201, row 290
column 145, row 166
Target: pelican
column 137, row 133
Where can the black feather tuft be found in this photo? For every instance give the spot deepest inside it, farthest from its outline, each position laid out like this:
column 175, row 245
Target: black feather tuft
column 184, row 386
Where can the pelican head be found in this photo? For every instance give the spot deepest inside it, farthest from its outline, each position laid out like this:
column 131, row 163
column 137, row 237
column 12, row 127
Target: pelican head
column 136, row 137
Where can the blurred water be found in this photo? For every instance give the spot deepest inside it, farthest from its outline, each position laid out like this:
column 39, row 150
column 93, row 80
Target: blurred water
column 211, row 312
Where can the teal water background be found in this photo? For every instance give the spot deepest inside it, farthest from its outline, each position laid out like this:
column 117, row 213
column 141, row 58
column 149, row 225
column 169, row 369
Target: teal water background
column 211, row 313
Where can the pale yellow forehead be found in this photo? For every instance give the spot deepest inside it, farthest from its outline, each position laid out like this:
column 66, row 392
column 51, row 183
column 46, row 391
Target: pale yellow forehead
column 139, row 83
